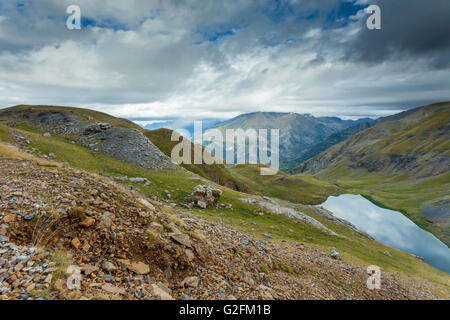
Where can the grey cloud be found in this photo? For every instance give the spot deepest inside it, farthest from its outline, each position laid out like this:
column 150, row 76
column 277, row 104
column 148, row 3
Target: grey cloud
column 161, row 64
column 410, row 29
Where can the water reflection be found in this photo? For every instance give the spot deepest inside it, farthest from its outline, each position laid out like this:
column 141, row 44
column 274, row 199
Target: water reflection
column 390, row 228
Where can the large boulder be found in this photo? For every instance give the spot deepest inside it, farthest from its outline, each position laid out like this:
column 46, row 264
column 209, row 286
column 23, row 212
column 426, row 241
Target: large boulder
column 203, row 196
column 96, row 128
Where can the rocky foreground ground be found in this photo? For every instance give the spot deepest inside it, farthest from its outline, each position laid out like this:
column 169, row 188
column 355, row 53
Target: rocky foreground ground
column 127, row 246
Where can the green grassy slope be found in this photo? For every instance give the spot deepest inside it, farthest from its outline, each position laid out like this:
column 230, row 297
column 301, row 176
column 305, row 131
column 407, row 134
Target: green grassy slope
column 401, row 163
column 215, row 172
column 300, row 188
column 353, row 247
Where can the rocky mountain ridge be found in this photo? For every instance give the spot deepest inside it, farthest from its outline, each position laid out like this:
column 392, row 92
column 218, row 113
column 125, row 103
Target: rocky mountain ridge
column 298, row 132
column 378, row 150
column 127, row 144
column 130, row 242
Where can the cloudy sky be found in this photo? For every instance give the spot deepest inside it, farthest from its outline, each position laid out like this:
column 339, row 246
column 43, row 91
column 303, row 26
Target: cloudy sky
column 170, row 59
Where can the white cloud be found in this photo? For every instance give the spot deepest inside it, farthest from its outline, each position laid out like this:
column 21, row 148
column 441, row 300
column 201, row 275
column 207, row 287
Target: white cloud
column 153, row 59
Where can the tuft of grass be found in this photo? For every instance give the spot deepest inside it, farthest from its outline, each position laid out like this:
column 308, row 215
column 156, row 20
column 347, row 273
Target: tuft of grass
column 241, row 254
column 151, row 235
column 167, row 228
column 77, row 213
column 173, row 218
column 44, row 293
column 263, row 269
column 196, row 235
column 286, row 268
column 63, row 260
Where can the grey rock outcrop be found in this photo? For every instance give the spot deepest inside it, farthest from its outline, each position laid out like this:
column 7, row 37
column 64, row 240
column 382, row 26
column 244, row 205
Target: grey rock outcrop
column 125, row 144
column 204, row 196
column 273, row 207
column 128, row 145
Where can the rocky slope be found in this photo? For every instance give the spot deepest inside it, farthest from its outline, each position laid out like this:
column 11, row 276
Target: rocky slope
column 117, row 138
column 128, row 243
column 130, row 247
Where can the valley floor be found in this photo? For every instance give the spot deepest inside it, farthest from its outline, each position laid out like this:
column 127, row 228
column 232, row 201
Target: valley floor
column 128, row 246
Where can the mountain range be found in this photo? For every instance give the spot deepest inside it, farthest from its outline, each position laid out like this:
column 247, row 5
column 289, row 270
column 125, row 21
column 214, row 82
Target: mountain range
column 299, row 133
column 101, row 192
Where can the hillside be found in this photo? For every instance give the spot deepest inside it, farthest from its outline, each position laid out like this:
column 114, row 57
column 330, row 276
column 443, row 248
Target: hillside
column 101, row 133
column 64, row 203
column 214, row 172
column 21, row 112
column 119, row 138
column 300, row 188
column 247, row 178
column 328, row 142
column 402, row 162
column 297, row 132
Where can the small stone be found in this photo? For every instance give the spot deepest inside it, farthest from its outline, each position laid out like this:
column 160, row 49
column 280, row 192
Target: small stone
column 31, row 287
column 201, row 204
column 113, row 289
column 246, row 277
column 107, row 278
column 139, row 180
column 189, row 255
column 29, row 216
column 59, row 284
column 147, row 204
column 18, row 267
column 335, row 255
column 86, row 247
column 48, row 279
column 19, row 259
column 105, row 220
column 159, row 293
column 136, row 267
column 182, row 238
column 108, row 266
column 24, row 296
column 88, row 269
column 87, row 222
column 190, row 282
column 266, row 293
column 76, row 243
column 9, row 218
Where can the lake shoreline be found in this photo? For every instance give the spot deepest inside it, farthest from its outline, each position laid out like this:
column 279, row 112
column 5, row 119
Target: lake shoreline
column 391, row 228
